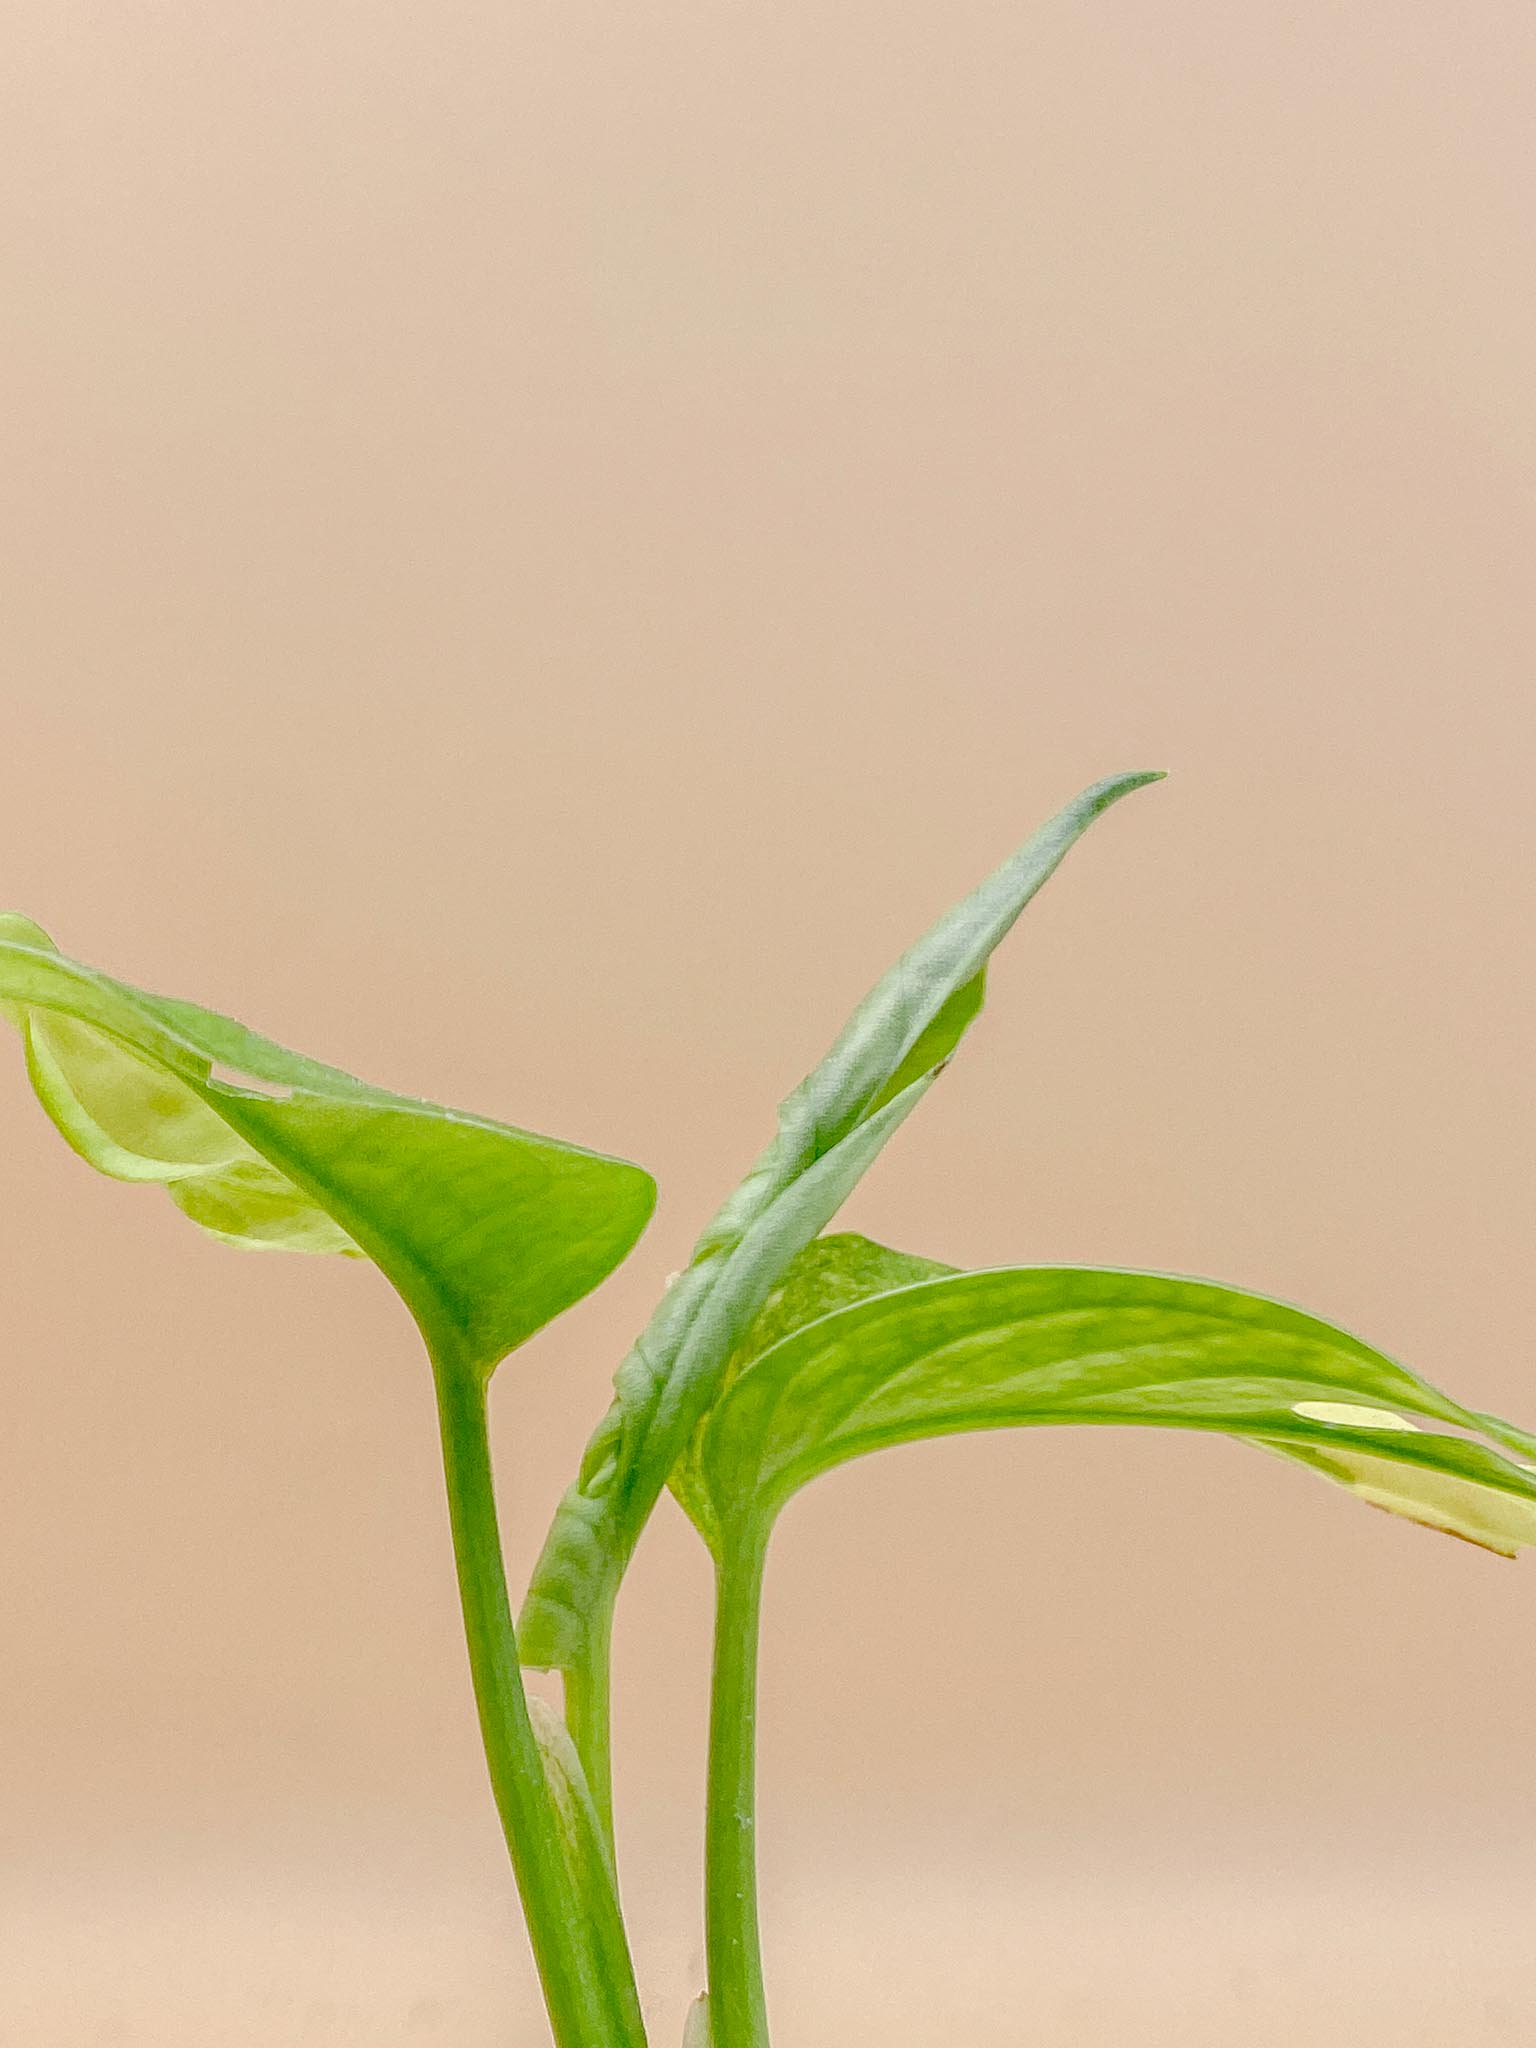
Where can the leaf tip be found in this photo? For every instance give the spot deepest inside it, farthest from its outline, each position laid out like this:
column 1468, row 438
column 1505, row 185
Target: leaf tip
column 17, row 930
column 1099, row 796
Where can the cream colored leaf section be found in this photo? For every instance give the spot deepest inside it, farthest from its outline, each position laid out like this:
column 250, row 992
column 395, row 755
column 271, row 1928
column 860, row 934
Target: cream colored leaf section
column 1351, row 1415
column 1494, row 1520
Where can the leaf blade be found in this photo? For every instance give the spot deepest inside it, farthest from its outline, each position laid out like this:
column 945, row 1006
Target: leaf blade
column 486, row 1231
column 1025, row 1346
column 831, row 1272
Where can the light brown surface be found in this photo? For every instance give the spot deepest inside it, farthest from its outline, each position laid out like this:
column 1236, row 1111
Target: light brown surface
column 541, row 544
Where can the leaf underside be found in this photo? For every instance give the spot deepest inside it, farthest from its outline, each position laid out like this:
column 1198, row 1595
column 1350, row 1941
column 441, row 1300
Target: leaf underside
column 485, row 1231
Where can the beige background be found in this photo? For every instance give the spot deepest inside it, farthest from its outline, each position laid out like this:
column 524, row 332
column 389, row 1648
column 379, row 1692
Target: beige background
column 542, row 543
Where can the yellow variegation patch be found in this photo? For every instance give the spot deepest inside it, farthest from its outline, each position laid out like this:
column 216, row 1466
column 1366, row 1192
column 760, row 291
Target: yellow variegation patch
column 1484, row 1515
column 1351, row 1415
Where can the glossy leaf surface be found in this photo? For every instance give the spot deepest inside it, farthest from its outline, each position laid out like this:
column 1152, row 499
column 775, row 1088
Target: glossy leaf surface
column 830, row 1130
column 486, row 1231
column 831, row 1273
column 1025, row 1346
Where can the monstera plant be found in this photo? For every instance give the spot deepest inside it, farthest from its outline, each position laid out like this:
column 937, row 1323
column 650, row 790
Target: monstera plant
column 779, row 1354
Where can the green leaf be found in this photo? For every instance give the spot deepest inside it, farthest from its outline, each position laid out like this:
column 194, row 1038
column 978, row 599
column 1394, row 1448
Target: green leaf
column 696, row 2031
column 938, row 1039
column 1508, row 1434
column 485, row 1231
column 829, row 1132
column 1028, row 1345
column 829, row 1274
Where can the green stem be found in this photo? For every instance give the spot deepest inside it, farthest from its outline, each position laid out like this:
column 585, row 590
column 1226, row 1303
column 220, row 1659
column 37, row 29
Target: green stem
column 588, row 1686
column 581, row 2000
column 738, row 2014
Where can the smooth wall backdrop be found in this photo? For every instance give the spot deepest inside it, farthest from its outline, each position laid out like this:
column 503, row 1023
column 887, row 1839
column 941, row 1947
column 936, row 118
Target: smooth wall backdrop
column 542, row 544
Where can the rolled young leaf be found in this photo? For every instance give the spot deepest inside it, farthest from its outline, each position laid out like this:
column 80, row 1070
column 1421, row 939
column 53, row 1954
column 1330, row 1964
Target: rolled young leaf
column 829, row 1132
column 1029, row 1345
column 486, row 1232
column 589, row 1865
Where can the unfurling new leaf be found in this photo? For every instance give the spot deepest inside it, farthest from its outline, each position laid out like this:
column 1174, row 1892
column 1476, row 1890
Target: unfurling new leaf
column 485, row 1231
column 829, row 1132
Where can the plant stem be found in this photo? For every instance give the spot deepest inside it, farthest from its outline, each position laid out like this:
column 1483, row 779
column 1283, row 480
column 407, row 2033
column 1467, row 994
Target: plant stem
column 581, row 2002
column 588, row 1715
column 738, row 2014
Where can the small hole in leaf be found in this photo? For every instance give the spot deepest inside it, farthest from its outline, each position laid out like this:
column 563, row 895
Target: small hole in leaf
column 248, row 1084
